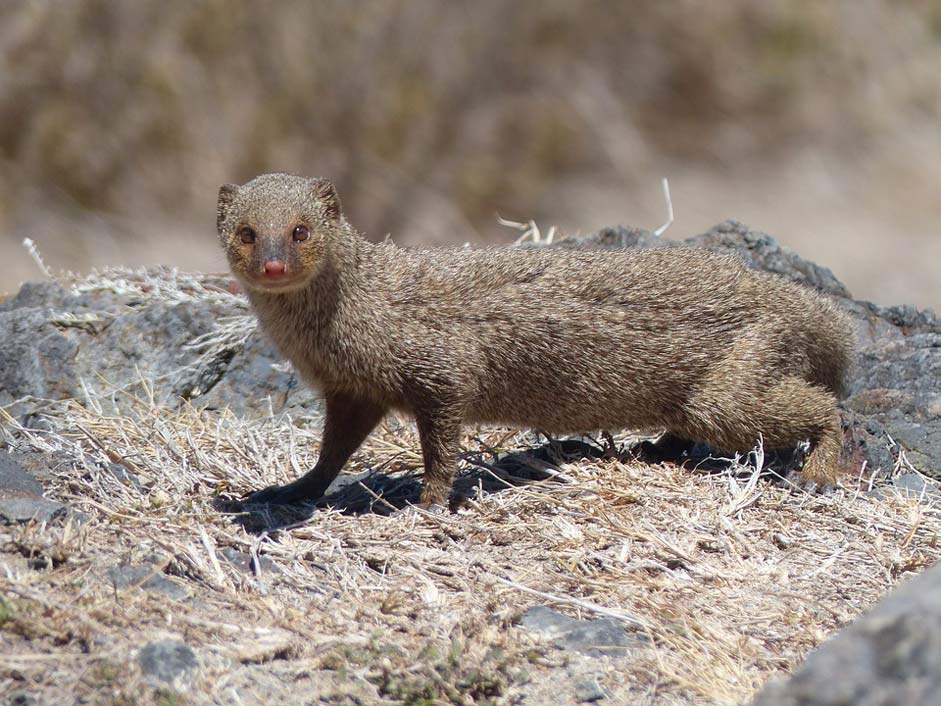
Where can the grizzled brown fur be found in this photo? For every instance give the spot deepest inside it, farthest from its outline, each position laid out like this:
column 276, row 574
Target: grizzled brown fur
column 677, row 339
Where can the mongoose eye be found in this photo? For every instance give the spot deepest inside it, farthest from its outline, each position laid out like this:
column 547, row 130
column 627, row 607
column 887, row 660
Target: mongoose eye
column 247, row 235
column 301, row 233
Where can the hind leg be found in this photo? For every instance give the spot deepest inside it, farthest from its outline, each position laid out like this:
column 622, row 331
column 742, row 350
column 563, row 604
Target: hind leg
column 798, row 411
column 784, row 415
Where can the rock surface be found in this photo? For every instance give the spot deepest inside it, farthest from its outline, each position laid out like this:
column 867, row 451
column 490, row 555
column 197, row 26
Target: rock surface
column 889, row 657
column 57, row 343
column 21, row 495
column 759, row 250
column 147, row 577
column 589, row 690
column 600, row 636
column 168, row 663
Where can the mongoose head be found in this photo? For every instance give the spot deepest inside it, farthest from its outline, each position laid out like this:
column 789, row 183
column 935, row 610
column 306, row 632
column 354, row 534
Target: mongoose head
column 277, row 228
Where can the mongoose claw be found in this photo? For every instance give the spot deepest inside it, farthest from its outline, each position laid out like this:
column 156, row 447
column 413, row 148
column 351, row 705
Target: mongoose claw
column 809, row 485
column 422, row 508
column 435, row 509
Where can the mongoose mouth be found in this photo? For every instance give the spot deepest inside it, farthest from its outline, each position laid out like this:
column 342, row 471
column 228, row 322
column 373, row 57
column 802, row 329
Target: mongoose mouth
column 279, row 282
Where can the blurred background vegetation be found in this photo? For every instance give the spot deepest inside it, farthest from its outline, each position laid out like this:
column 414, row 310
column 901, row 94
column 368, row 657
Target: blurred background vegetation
column 816, row 121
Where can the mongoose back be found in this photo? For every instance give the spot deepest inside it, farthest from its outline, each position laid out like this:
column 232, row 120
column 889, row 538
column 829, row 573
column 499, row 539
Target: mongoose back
column 677, row 339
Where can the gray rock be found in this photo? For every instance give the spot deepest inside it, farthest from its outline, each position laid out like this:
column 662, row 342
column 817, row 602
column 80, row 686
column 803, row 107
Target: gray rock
column 53, row 343
column 36, row 421
column 21, row 498
column 889, row 657
column 20, row 698
column 242, row 561
column 128, row 576
column 168, row 663
column 909, row 485
column 16, row 480
column 865, row 440
column 152, row 340
column 908, row 318
column 149, row 577
column 589, row 690
column 52, row 295
column 345, row 481
column 167, row 587
column 41, row 466
column 897, row 383
column 759, row 250
column 36, row 359
column 914, row 484
column 122, row 475
column 762, row 252
column 257, row 381
column 19, row 510
column 601, row 636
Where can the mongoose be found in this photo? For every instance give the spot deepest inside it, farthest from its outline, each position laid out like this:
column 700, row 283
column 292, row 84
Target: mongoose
column 678, row 339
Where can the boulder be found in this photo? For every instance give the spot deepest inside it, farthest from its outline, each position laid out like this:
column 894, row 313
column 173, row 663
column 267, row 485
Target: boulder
column 58, row 344
column 889, row 657
column 21, row 495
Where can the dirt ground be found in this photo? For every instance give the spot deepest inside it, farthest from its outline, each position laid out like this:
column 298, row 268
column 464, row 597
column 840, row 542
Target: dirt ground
column 719, row 580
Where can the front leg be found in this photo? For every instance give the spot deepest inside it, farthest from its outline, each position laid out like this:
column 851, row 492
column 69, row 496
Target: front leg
column 349, row 421
column 439, row 431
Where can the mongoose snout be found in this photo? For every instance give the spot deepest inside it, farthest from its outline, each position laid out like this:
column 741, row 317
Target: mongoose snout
column 275, row 268
column 677, row 339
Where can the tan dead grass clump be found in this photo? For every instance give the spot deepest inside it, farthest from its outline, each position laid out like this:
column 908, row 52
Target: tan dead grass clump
column 726, row 579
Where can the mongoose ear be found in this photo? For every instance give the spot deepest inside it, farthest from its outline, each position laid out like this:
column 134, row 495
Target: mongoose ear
column 227, row 194
column 327, row 196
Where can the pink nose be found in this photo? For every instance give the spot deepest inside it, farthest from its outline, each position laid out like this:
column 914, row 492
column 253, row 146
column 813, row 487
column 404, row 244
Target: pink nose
column 275, row 268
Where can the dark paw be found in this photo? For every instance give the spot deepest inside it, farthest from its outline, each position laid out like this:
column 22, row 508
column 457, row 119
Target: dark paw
column 648, row 452
column 668, row 448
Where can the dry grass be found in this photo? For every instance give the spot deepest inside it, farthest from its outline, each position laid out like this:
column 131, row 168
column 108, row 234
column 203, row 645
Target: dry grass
column 726, row 579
